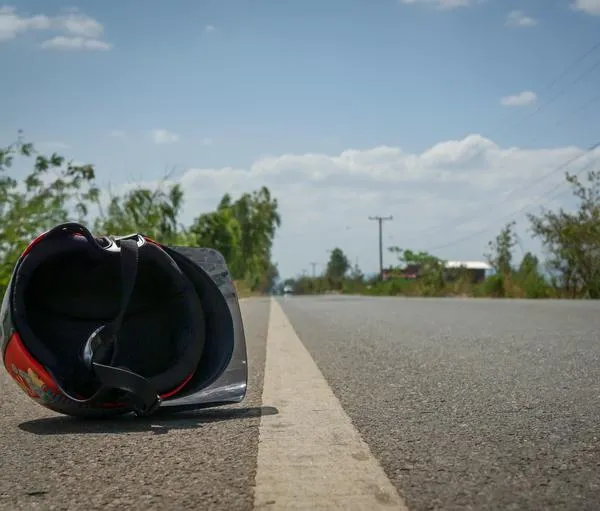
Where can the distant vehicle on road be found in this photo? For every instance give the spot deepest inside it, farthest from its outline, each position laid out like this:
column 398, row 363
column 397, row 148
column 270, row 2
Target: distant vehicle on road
column 288, row 290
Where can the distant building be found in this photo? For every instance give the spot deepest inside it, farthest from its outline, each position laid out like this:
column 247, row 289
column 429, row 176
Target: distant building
column 410, row 272
column 477, row 271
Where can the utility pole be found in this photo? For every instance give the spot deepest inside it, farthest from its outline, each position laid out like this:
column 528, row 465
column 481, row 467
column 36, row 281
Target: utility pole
column 380, row 220
column 313, row 269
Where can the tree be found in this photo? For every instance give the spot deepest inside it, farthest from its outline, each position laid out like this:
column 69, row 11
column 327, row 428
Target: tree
column 258, row 216
column 500, row 255
column 355, row 282
column 152, row 212
column 243, row 231
column 356, row 274
column 500, row 258
column 426, row 261
column 337, row 267
column 530, row 279
column 430, row 268
column 529, row 264
column 220, row 230
column 53, row 192
column 269, row 279
column 572, row 240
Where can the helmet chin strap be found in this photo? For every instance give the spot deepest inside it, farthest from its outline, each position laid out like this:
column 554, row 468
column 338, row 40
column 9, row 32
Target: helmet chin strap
column 100, row 350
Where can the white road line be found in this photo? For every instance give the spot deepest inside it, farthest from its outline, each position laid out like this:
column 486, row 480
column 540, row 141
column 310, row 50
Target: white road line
column 309, row 454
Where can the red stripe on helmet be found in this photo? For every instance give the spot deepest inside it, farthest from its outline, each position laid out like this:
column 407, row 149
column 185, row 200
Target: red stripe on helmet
column 34, row 243
column 150, row 240
column 177, row 389
column 31, row 376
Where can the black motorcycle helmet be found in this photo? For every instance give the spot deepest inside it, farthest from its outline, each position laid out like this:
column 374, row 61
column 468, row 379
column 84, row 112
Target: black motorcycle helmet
column 103, row 326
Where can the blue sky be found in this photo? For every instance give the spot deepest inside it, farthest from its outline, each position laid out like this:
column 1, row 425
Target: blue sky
column 246, row 91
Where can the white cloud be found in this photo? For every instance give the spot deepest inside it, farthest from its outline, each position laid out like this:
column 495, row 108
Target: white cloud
column 79, row 24
column 326, row 200
column 13, row 24
column 588, row 6
column 61, row 42
column 76, row 30
column 443, row 4
column 518, row 19
column 210, row 28
column 164, row 137
column 522, row 99
column 206, row 141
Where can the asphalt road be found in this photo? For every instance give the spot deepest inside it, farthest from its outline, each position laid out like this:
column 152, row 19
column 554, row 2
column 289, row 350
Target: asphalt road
column 465, row 404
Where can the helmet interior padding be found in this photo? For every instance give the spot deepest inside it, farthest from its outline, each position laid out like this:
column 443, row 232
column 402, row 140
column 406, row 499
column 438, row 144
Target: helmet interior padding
column 66, row 289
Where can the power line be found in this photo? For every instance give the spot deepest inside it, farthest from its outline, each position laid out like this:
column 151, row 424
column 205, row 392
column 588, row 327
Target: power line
column 521, row 188
column 572, row 65
column 552, row 82
column 560, row 92
column 380, row 220
column 548, row 86
column 520, row 210
column 506, row 217
column 558, row 77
